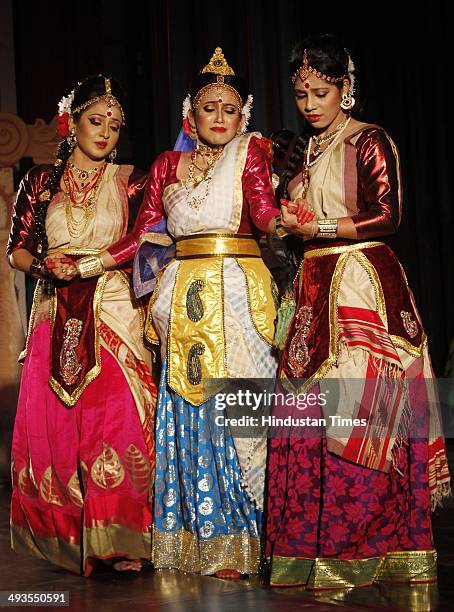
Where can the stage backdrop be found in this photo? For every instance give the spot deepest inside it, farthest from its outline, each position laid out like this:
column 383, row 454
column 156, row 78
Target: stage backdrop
column 155, row 47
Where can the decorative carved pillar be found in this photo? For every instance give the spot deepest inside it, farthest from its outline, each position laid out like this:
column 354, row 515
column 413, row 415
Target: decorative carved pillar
column 17, row 140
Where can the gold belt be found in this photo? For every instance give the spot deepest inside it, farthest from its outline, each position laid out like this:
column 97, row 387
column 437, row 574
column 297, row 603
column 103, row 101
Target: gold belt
column 217, row 245
column 346, row 248
column 74, row 251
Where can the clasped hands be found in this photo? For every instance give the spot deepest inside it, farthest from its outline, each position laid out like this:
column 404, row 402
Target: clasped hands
column 298, row 217
column 61, row 267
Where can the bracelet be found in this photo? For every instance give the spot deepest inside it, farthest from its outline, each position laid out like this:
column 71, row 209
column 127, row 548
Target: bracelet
column 280, row 231
column 327, row 228
column 89, row 266
column 38, row 269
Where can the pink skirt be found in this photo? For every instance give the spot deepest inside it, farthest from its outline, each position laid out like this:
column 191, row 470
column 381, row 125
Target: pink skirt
column 81, row 476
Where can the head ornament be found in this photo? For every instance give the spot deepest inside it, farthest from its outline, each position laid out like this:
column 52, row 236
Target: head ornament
column 218, row 65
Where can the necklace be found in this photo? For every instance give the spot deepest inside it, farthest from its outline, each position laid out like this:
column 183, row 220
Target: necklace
column 334, row 135
column 210, row 155
column 83, row 197
column 82, row 175
column 319, row 140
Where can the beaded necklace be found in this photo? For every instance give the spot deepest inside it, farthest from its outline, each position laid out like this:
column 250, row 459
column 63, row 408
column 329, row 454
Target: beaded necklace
column 83, row 197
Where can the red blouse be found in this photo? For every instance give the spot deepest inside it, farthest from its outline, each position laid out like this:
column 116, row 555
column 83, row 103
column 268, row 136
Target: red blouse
column 378, row 188
column 258, row 197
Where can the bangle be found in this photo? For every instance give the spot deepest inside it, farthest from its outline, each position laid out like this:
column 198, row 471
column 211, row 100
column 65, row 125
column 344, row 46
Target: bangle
column 38, row 269
column 91, row 265
column 280, row 231
column 327, row 228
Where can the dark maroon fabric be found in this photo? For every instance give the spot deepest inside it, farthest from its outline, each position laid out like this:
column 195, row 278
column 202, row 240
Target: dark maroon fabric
column 21, row 236
column 75, row 300
column 313, row 291
column 378, row 185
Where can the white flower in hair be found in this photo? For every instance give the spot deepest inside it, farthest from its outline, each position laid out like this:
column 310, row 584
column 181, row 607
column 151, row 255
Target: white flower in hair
column 246, row 111
column 351, row 73
column 64, row 106
column 187, row 106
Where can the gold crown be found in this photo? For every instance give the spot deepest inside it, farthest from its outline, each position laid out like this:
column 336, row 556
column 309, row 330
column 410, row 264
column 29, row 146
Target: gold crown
column 218, row 64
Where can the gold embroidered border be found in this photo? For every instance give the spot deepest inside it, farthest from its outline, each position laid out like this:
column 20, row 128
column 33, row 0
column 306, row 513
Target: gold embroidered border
column 240, row 162
column 260, row 302
column 31, row 324
column 101, row 542
column 409, row 566
column 56, row 550
column 346, row 248
column 112, row 539
column 182, row 550
column 325, row 573
column 65, row 397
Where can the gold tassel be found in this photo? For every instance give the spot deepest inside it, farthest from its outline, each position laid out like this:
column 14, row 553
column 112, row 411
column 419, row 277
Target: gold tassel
column 285, row 314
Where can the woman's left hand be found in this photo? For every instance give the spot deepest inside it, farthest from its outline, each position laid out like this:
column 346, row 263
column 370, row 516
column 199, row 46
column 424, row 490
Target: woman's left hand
column 290, row 222
column 61, row 266
column 300, row 208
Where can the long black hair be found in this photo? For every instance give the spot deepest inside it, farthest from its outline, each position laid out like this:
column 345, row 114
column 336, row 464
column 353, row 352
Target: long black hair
column 327, row 54
column 88, row 89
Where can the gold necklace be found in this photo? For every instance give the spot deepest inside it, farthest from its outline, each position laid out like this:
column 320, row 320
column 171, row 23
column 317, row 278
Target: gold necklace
column 319, row 140
column 210, row 155
column 82, row 175
column 76, row 227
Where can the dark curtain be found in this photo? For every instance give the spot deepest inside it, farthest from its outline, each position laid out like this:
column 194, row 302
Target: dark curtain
column 155, row 47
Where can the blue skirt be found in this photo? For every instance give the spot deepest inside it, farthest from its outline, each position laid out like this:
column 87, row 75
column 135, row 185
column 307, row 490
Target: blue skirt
column 203, row 520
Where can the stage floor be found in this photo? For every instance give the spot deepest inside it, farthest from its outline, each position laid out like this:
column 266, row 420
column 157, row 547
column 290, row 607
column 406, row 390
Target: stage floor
column 170, row 591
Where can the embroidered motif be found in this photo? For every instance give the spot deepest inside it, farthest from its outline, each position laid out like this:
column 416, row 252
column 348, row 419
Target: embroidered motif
column 194, row 306
column 138, row 469
column 107, row 471
column 51, row 489
column 69, row 366
column 411, row 327
column 298, row 354
column 74, row 491
column 25, row 484
column 194, row 367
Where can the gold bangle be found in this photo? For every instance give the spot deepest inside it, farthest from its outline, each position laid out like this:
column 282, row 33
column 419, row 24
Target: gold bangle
column 91, row 265
column 280, row 231
column 327, row 228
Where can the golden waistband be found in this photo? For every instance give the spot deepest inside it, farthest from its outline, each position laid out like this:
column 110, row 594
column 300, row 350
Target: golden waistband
column 217, row 245
column 74, row 251
column 345, row 248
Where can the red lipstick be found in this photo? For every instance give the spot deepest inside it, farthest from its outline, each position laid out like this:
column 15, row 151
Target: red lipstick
column 218, row 129
column 101, row 145
column 313, row 118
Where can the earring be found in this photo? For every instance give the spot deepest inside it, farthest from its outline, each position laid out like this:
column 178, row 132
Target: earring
column 348, row 101
column 71, row 139
column 112, row 155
